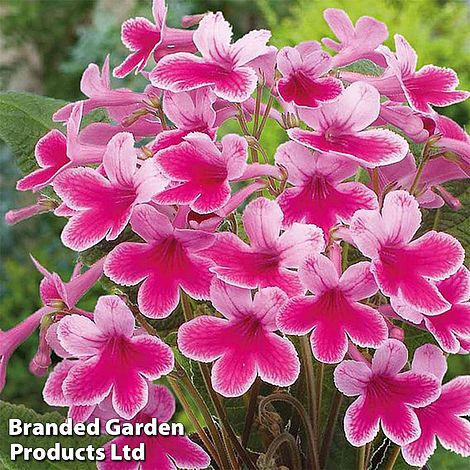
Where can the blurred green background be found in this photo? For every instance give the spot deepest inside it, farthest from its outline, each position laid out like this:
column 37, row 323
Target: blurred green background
column 46, row 44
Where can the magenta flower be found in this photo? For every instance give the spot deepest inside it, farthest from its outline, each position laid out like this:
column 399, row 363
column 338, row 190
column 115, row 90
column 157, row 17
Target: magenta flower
column 201, row 172
column 271, row 256
column 452, row 327
column 223, row 66
column 443, row 417
column 243, row 344
column 303, row 68
column 96, row 86
column 144, row 38
column 161, row 452
column 54, row 153
column 333, row 311
column 428, row 86
column 404, row 268
column 169, row 259
column 339, row 128
column 111, row 358
column 319, row 196
column 104, row 205
column 356, row 42
column 386, row 396
column 190, row 112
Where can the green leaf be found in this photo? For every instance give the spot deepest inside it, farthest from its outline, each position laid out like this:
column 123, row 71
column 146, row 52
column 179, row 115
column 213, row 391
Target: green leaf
column 24, row 118
column 10, row 411
column 365, row 67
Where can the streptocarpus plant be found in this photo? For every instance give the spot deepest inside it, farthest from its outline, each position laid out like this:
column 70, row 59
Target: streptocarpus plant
column 288, row 280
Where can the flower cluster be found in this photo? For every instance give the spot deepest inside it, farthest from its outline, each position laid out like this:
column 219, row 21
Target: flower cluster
column 330, row 245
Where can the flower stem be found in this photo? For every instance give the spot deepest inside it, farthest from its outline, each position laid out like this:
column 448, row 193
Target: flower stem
column 330, row 427
column 361, row 457
column 265, row 116
column 419, row 171
column 250, row 414
column 393, row 458
column 307, row 360
column 375, row 181
column 318, row 394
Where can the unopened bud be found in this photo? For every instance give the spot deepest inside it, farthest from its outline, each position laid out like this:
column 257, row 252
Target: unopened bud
column 191, row 20
column 135, row 116
column 453, row 202
column 57, row 304
column 397, row 333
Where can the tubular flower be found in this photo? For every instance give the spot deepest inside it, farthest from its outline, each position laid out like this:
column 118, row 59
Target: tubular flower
column 201, row 172
column 386, row 396
column 223, row 66
column 269, row 260
column 333, row 311
column 319, row 195
column 243, row 344
column 168, row 259
column 303, row 83
column 339, row 128
column 404, row 269
column 443, row 417
column 144, row 38
column 111, row 359
column 104, row 205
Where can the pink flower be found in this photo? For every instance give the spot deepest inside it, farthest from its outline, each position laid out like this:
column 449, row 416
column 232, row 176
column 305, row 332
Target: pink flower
column 452, row 327
column 201, row 172
column 190, row 112
column 339, row 128
column 442, row 418
column 333, row 311
column 111, row 359
column 403, row 268
column 55, row 294
column 169, row 258
column 428, row 86
column 143, row 38
column 96, row 86
column 302, row 68
column 243, row 344
column 356, row 42
column 54, row 153
column 386, row 396
column 104, row 205
column 271, row 256
column 161, row 452
column 223, row 66
column 319, row 196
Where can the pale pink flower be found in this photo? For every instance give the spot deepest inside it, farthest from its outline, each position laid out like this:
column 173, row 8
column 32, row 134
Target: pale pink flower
column 319, row 195
column 339, row 128
column 271, row 256
column 243, row 344
column 104, row 205
column 190, row 111
column 223, row 66
column 54, row 153
column 442, row 418
column 161, row 452
column 333, row 312
column 144, row 38
column 404, row 269
column 96, row 86
column 201, row 172
column 428, row 86
column 55, row 294
column 112, row 359
column 356, row 42
column 168, row 259
column 303, row 70
column 386, row 396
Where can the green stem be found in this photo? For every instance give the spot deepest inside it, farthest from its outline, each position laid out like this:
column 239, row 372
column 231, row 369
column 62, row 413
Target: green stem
column 311, row 439
column 250, row 414
column 306, row 355
column 393, row 458
column 330, row 427
column 265, row 116
column 375, row 181
column 361, row 457
column 419, row 171
column 284, row 438
column 319, row 393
